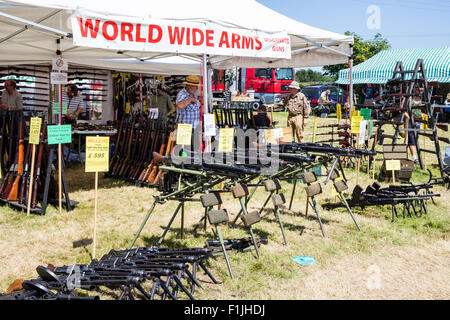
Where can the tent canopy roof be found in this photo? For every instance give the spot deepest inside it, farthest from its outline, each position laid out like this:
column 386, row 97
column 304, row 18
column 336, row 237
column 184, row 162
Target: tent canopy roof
column 380, row 67
column 310, row 46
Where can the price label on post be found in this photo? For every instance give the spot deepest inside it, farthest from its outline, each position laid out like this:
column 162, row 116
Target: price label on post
column 210, row 126
column 362, row 132
column 184, row 134
column 338, row 111
column 127, row 108
column 425, row 118
column 35, row 130
column 392, row 165
column 97, row 154
column 58, row 78
column 366, row 113
column 226, row 139
column 59, row 134
column 355, row 124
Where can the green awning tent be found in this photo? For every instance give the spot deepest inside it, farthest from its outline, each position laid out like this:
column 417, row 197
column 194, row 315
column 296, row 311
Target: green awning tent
column 379, row 68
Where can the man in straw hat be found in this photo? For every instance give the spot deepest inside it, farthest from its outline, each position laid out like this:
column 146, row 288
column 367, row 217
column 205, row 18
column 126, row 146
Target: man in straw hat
column 299, row 109
column 188, row 106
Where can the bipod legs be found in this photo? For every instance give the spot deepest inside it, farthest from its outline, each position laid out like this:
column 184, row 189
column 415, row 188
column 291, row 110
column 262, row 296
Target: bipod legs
column 349, row 210
column 277, row 214
column 313, row 205
column 143, row 224
column 180, row 206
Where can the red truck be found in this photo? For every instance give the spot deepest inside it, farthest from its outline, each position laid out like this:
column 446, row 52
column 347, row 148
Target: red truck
column 271, row 85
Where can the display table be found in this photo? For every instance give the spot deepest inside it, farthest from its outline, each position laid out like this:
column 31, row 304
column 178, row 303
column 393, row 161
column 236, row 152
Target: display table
column 79, row 134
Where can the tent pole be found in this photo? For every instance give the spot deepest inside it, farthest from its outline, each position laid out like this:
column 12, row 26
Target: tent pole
column 350, row 62
column 207, row 144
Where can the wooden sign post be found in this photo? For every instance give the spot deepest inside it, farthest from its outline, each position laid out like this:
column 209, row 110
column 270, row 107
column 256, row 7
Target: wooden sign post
column 393, row 165
column 59, row 134
column 97, row 160
column 314, row 130
column 35, row 130
column 355, row 129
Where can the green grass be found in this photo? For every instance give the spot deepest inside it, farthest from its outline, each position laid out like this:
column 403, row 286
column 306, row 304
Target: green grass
column 26, row 242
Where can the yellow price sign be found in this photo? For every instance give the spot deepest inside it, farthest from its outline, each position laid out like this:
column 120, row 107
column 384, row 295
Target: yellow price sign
column 184, row 134
column 97, row 154
column 226, row 139
column 127, row 108
column 355, row 123
column 424, row 117
column 35, row 130
column 392, row 165
column 339, row 111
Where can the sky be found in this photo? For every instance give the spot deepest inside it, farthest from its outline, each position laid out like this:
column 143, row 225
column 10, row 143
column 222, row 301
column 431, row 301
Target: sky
column 405, row 23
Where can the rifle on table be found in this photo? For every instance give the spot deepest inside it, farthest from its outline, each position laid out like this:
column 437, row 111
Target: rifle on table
column 324, row 149
column 337, row 133
column 336, row 125
column 343, row 142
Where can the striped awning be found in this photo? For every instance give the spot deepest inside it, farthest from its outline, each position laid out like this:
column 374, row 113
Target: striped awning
column 380, row 67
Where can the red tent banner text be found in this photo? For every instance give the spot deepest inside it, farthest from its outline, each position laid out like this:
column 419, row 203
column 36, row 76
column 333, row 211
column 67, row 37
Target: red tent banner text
column 177, row 37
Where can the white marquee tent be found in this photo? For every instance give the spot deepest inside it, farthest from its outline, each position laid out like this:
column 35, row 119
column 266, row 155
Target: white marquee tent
column 30, row 28
column 33, row 30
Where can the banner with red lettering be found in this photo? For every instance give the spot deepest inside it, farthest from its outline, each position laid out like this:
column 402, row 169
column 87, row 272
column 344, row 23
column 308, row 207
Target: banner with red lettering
column 178, row 37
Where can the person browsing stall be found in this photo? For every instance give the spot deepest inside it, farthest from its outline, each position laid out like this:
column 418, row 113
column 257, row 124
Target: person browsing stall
column 298, row 108
column 162, row 101
column 75, row 103
column 324, row 102
column 11, row 98
column 188, row 106
column 261, row 119
column 370, row 94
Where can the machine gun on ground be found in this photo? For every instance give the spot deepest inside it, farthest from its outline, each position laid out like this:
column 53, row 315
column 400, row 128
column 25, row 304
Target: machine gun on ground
column 393, row 195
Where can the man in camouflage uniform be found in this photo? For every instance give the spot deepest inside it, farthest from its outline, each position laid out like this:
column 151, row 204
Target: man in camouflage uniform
column 298, row 107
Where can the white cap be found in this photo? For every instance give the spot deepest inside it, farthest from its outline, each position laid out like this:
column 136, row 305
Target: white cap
column 295, row 85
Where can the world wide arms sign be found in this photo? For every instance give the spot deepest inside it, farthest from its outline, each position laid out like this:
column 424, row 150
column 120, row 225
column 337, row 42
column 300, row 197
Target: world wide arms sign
column 178, row 37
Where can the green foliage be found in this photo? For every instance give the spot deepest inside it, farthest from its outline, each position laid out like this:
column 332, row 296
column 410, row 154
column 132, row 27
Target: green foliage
column 312, row 76
column 362, row 50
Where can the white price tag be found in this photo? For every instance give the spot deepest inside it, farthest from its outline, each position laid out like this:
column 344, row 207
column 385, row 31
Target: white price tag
column 210, row 126
column 58, row 78
column 153, row 113
column 362, row 132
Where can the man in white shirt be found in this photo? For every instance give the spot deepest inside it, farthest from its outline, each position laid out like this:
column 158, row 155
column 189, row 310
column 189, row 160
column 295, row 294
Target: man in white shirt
column 11, row 98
